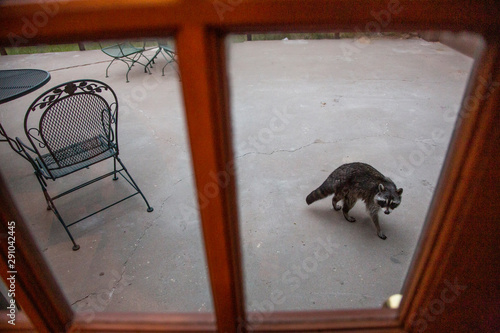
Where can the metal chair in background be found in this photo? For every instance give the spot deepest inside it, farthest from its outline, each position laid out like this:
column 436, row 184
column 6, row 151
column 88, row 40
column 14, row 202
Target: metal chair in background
column 127, row 53
column 71, row 127
column 168, row 53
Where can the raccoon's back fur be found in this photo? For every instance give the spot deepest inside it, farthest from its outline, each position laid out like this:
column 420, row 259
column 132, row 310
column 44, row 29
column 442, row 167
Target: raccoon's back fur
column 353, row 181
column 358, row 179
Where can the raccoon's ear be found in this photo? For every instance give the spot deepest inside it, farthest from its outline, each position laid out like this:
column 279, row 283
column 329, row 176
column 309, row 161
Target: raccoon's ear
column 381, row 187
column 400, row 191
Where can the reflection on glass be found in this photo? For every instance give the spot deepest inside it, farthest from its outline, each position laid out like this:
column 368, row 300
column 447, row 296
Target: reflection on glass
column 129, row 259
column 301, row 108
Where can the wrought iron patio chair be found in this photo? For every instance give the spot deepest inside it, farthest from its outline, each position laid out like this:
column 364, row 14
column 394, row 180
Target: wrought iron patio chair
column 127, row 53
column 71, row 127
column 168, row 52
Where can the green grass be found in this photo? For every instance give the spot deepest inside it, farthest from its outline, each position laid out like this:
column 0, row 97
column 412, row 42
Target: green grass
column 41, row 49
column 280, row 36
column 326, row 35
column 232, row 38
column 63, row 47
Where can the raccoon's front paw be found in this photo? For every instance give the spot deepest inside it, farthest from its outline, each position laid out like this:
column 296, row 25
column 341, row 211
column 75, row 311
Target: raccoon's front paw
column 349, row 218
column 381, row 235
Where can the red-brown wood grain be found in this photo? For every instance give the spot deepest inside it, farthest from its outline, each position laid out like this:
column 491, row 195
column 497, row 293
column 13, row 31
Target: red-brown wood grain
column 459, row 247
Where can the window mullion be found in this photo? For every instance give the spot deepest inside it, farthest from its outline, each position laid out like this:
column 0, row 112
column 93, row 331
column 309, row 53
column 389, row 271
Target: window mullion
column 204, row 81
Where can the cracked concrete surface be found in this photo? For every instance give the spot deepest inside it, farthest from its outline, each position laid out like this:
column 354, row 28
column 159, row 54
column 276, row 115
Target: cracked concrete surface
column 299, row 110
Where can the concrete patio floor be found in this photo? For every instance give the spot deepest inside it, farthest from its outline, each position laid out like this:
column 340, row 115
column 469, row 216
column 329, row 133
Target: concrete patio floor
column 299, row 110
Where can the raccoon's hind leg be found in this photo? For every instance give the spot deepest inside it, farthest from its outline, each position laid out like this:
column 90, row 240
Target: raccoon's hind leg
column 336, row 198
column 348, row 204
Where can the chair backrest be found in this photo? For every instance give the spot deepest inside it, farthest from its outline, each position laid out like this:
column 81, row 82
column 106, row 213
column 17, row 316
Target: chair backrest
column 72, row 123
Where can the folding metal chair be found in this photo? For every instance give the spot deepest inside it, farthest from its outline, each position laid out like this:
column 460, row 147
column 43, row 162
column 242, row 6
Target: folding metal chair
column 127, row 53
column 168, row 53
column 72, row 127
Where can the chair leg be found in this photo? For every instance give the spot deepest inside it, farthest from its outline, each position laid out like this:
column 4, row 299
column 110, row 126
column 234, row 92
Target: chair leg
column 115, row 177
column 130, row 62
column 52, row 207
column 126, row 63
column 43, row 184
column 172, row 60
column 136, row 58
column 152, row 61
column 47, row 199
column 148, row 62
column 76, row 247
column 168, row 62
column 129, row 68
column 108, row 67
column 134, row 184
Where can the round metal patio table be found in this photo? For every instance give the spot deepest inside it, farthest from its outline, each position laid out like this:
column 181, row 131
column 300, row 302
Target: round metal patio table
column 15, row 83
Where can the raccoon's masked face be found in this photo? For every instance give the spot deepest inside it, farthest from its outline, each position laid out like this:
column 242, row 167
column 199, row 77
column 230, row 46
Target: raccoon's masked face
column 388, row 199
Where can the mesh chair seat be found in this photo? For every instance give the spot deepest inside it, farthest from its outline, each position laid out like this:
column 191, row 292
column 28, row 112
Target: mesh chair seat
column 52, row 169
column 127, row 53
column 125, row 49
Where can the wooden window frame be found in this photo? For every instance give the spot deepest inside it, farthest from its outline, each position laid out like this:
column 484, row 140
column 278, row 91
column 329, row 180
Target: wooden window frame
column 458, row 246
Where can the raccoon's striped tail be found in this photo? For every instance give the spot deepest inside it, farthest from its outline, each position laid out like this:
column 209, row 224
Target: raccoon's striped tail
column 319, row 193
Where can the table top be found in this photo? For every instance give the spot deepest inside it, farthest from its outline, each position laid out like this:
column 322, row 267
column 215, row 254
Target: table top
column 15, row 83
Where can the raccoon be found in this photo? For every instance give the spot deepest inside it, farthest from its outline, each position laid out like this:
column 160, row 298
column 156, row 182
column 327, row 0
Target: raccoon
column 354, row 181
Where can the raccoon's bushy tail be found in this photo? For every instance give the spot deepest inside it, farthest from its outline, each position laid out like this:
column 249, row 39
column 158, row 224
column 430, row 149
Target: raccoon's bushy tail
column 321, row 192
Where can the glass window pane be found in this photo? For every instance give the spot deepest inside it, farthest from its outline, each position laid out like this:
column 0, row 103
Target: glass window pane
column 302, row 106
column 129, row 259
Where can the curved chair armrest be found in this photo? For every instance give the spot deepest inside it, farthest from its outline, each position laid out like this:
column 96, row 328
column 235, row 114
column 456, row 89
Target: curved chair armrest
column 24, row 153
